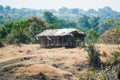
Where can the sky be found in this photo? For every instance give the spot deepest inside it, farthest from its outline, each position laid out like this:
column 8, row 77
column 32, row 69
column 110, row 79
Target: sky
column 56, row 4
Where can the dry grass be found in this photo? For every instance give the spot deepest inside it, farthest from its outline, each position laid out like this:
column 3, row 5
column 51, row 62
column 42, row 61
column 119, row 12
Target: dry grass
column 104, row 54
column 42, row 59
column 40, row 68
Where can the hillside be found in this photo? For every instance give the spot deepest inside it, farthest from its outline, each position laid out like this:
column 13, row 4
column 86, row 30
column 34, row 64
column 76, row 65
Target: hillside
column 68, row 18
column 30, row 62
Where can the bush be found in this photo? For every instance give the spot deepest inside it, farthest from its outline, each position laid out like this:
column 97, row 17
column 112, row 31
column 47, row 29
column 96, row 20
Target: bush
column 116, row 55
column 16, row 38
column 94, row 56
column 111, row 36
column 1, row 44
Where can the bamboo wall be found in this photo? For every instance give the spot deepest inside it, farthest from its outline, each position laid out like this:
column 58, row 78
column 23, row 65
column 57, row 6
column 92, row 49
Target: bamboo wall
column 59, row 41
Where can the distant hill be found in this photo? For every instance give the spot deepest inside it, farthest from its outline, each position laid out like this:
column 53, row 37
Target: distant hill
column 8, row 14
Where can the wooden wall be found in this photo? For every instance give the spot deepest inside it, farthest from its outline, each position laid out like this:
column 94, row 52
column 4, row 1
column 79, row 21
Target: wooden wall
column 59, row 41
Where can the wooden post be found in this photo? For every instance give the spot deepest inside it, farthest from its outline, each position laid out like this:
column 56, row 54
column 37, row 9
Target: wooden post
column 55, row 41
column 73, row 41
column 65, row 41
column 45, row 42
column 50, row 42
column 62, row 41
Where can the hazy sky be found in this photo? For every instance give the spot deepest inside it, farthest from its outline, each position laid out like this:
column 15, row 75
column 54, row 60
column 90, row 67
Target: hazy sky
column 56, row 4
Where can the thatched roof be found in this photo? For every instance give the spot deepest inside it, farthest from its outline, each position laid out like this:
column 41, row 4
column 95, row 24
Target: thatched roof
column 59, row 32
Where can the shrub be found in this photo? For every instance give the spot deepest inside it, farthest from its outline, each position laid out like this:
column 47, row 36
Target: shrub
column 111, row 35
column 1, row 44
column 94, row 56
column 116, row 55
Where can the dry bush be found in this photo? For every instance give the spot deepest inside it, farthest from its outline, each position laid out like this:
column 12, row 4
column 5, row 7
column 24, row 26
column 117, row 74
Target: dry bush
column 115, row 52
column 111, row 36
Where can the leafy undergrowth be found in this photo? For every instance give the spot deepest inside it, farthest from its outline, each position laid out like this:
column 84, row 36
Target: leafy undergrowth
column 104, row 71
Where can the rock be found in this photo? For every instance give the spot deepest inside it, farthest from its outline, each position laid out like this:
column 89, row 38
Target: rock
column 28, row 51
column 20, row 51
column 55, row 77
column 8, row 68
column 55, row 65
column 40, row 76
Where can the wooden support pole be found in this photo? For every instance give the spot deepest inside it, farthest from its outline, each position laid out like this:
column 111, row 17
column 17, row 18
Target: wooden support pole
column 62, row 41
column 55, row 41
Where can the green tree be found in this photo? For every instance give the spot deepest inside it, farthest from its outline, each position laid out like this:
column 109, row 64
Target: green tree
column 37, row 25
column 92, row 36
column 1, row 8
column 93, row 56
column 63, row 10
column 23, row 31
column 84, row 21
column 4, row 31
column 89, row 22
column 112, row 35
column 52, row 21
column 15, row 32
column 49, row 17
column 94, row 22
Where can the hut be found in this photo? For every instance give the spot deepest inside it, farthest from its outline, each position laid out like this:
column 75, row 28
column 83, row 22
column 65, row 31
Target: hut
column 60, row 37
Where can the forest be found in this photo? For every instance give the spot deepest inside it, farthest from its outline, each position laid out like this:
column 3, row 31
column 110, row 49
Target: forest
column 102, row 25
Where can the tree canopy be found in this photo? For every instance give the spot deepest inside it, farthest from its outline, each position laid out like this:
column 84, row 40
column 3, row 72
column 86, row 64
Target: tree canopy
column 23, row 31
column 16, row 22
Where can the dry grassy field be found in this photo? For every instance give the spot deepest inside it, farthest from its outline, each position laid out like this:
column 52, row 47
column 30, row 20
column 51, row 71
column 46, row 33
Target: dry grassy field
column 30, row 62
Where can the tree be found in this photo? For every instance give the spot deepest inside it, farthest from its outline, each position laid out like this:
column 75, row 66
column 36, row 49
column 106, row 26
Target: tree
column 93, row 56
column 15, row 32
column 63, row 10
column 1, row 8
column 49, row 17
column 112, row 35
column 66, row 23
column 92, row 11
column 94, row 21
column 52, row 21
column 84, row 21
column 23, row 31
column 75, row 11
column 37, row 25
column 8, row 8
column 4, row 31
column 92, row 36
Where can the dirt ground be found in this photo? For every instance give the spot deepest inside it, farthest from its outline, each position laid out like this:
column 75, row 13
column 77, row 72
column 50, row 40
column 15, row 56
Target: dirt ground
column 30, row 62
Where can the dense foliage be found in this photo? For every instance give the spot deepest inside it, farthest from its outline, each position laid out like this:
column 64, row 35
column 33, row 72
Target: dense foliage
column 23, row 31
column 17, row 23
column 77, row 18
column 112, row 35
column 93, row 56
